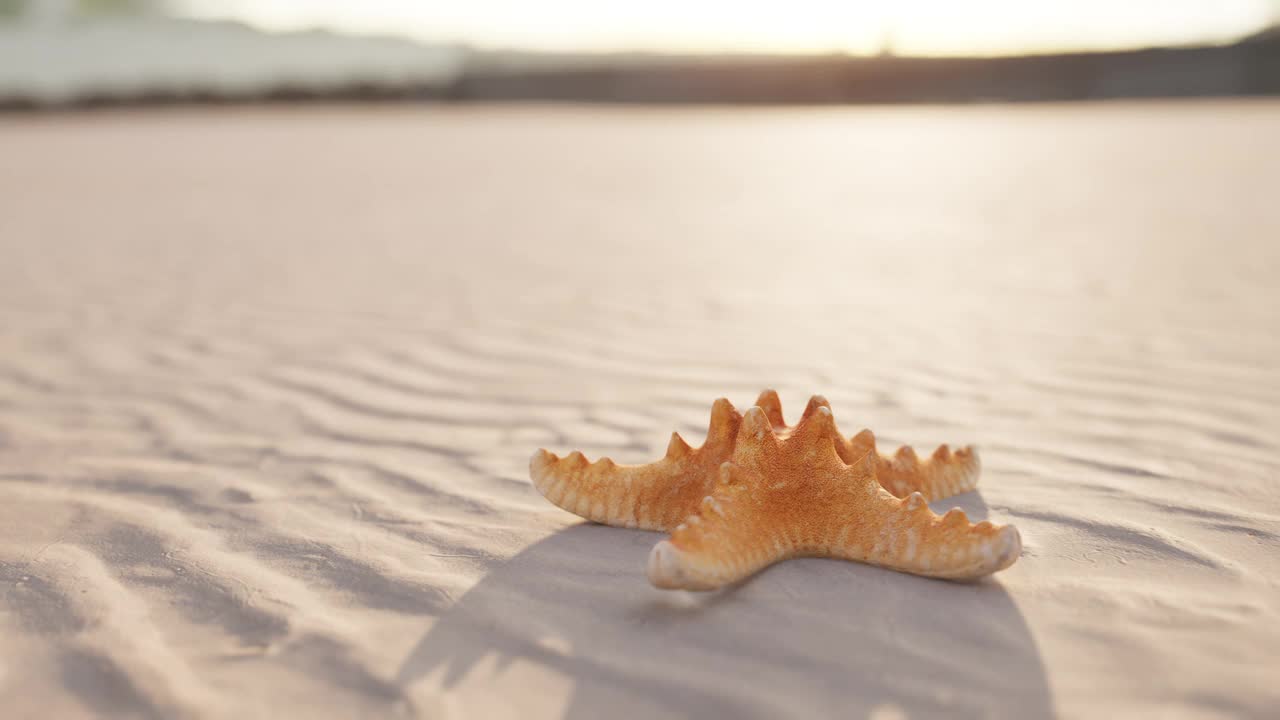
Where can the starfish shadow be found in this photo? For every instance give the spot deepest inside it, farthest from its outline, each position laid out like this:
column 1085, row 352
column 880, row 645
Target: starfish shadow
column 971, row 503
column 810, row 637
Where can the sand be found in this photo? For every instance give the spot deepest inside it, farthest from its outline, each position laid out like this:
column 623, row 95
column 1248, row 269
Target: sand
column 269, row 381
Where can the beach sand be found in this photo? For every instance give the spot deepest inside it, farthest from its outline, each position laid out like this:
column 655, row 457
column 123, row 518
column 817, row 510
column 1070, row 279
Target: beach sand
column 270, row 380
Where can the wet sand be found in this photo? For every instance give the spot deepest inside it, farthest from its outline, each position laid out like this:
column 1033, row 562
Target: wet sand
column 269, row 381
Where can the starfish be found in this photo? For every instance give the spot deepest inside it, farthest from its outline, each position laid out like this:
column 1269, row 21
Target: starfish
column 780, row 498
column 659, row 495
column 759, row 491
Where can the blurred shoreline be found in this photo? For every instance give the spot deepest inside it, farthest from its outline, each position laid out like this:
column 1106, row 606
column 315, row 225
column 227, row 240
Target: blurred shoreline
column 169, row 61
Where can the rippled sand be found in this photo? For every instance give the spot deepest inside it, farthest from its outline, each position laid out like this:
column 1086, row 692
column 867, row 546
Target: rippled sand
column 269, row 381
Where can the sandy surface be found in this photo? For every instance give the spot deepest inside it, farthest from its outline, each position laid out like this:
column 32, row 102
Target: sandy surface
column 269, row 381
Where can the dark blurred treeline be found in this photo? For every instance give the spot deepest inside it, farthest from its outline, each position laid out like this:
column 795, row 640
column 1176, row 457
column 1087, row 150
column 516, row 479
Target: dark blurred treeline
column 1250, row 67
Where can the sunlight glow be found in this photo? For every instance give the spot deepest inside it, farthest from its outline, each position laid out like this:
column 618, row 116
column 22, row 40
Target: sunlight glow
column 916, row 27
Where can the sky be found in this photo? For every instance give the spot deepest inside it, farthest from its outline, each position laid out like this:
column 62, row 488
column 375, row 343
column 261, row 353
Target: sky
column 915, row 27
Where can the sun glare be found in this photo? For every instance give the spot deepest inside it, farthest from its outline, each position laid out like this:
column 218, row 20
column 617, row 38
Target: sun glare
column 918, row 27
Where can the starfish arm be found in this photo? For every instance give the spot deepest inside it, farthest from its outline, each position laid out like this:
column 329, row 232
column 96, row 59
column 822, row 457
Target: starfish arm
column 635, row 496
column 723, row 543
column 941, row 475
column 905, row 535
column 653, row 496
column 728, row 541
column 737, row 531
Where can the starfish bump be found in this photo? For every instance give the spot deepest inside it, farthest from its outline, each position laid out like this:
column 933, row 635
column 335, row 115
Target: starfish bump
column 659, row 495
column 781, row 498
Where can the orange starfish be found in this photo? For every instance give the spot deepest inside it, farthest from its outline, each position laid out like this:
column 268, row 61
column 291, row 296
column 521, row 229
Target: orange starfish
column 659, row 495
column 792, row 497
column 759, row 491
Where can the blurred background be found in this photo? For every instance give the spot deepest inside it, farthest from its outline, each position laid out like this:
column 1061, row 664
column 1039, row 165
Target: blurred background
column 86, row 52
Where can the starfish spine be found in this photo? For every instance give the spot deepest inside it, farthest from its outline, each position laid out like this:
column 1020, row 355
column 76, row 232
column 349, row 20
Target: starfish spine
column 658, row 495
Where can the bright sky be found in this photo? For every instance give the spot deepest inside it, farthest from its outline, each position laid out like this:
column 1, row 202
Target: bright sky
column 932, row 27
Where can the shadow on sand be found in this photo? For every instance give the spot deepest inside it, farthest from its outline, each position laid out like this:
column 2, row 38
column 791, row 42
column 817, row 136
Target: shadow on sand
column 808, row 638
